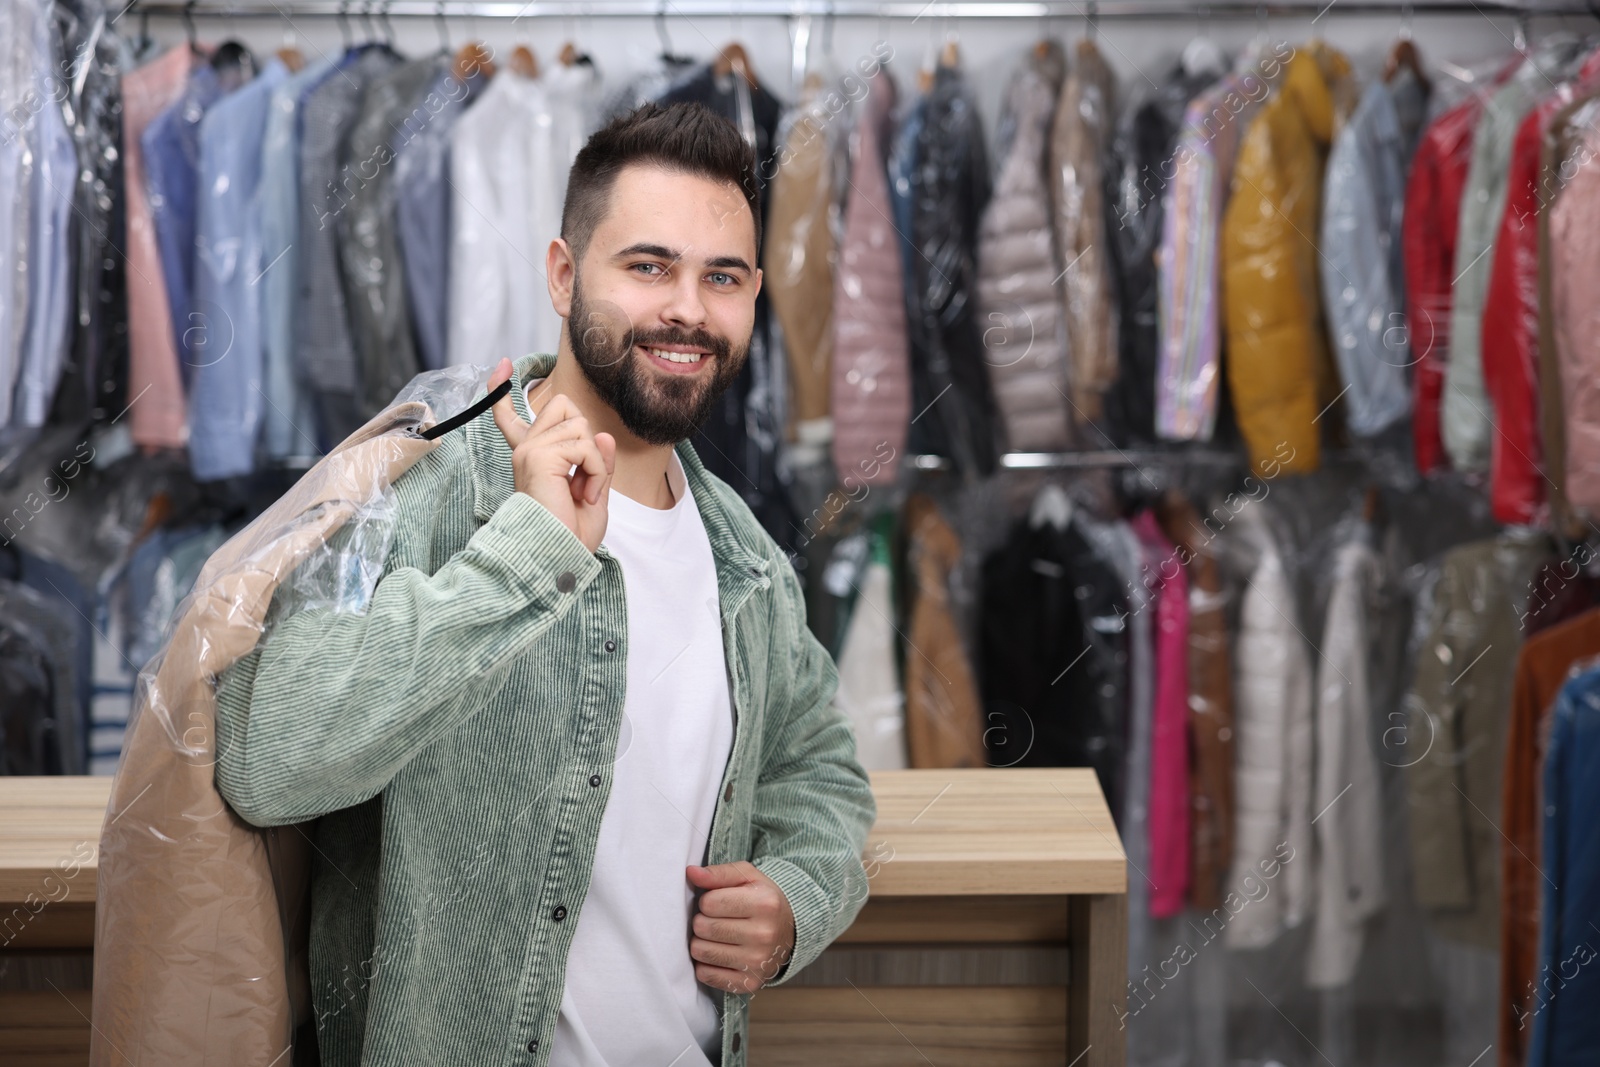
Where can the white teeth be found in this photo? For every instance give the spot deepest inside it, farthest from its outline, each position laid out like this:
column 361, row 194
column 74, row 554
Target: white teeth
column 675, row 357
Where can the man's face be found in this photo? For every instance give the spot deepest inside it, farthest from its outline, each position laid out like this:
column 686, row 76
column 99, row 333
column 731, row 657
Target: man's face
column 663, row 302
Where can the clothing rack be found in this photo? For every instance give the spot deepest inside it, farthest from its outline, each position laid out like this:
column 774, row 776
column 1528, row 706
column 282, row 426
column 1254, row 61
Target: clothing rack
column 1209, row 457
column 913, row 10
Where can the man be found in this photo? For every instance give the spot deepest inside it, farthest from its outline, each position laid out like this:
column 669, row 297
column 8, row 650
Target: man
column 581, row 784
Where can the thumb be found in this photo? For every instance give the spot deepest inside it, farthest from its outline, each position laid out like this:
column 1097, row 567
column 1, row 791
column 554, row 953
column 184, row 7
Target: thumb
column 505, row 416
column 720, row 875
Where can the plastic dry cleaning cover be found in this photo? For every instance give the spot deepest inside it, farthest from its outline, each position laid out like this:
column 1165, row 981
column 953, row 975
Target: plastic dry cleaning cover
column 200, row 923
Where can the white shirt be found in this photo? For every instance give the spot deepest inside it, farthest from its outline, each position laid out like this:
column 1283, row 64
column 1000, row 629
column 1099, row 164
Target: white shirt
column 631, row 995
column 509, row 157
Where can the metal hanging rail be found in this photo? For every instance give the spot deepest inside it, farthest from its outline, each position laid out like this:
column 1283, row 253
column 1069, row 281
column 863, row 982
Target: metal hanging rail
column 1107, row 10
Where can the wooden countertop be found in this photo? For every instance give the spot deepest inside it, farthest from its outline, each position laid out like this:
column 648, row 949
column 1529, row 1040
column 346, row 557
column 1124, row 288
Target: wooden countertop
column 983, row 831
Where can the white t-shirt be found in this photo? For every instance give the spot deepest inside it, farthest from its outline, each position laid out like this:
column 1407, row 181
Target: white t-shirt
column 631, row 995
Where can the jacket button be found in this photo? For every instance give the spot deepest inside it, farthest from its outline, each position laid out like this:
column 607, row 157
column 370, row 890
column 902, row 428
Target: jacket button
column 567, row 582
column 727, row 794
column 560, row 912
column 611, row 646
column 594, row 780
column 736, row 1041
column 533, row 1046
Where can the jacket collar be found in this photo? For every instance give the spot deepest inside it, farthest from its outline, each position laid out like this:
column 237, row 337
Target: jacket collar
column 736, row 542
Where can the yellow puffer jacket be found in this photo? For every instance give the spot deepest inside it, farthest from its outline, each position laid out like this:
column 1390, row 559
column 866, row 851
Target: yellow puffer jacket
column 1279, row 369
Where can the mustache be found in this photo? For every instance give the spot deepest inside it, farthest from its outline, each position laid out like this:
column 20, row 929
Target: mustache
column 717, row 346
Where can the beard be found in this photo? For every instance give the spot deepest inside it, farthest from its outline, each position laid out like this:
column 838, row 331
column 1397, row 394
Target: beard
column 657, row 407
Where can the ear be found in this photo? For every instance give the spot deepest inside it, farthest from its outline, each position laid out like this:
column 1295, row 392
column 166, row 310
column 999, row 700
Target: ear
column 560, row 270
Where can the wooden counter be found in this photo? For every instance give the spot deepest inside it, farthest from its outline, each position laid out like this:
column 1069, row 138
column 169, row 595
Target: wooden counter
column 994, row 933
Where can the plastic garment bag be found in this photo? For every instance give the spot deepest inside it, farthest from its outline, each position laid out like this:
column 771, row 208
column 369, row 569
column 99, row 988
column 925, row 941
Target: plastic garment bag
column 870, row 387
column 1141, row 164
column 94, row 382
column 1055, row 647
column 797, row 268
column 201, row 917
column 1024, row 331
column 1080, row 139
column 1466, row 423
column 953, row 410
column 47, row 338
column 1428, row 238
column 945, row 725
column 369, row 244
column 1511, row 315
column 1279, row 371
column 1363, row 194
column 1575, row 270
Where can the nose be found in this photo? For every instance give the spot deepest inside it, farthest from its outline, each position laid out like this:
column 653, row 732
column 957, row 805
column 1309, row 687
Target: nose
column 684, row 307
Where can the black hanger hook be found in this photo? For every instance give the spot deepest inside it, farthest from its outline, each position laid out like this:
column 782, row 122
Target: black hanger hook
column 188, row 25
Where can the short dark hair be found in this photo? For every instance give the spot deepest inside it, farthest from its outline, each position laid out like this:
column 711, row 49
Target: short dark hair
column 689, row 138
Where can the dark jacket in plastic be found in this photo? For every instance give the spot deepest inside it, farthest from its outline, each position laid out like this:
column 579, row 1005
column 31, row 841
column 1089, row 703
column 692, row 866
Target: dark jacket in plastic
column 952, row 407
column 1054, row 656
column 1136, row 179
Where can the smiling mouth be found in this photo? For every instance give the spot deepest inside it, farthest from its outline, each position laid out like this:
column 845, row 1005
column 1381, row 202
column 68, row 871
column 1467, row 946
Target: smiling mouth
column 676, row 357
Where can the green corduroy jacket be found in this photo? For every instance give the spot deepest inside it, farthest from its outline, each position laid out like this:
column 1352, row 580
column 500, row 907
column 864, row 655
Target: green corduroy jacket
column 456, row 739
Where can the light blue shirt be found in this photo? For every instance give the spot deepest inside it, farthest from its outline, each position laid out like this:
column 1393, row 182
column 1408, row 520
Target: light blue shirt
column 47, row 335
column 224, row 345
column 290, row 431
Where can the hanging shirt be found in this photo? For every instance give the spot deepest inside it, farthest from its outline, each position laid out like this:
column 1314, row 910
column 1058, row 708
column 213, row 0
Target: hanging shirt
column 171, row 146
column 226, row 380
column 50, row 299
column 290, row 426
column 422, row 213
column 631, row 995
column 156, row 406
column 325, row 353
column 509, row 158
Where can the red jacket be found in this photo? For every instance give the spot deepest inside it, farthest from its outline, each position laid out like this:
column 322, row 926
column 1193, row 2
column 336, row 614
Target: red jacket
column 1511, row 321
column 1428, row 238
column 1511, row 334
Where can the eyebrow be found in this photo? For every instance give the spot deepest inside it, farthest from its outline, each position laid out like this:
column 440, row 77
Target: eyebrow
column 663, row 252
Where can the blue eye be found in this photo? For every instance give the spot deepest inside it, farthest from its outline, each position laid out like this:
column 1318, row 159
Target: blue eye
column 730, row 278
column 638, row 265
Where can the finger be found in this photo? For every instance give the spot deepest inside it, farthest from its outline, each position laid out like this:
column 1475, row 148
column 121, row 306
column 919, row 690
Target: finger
column 556, row 411
column 738, row 902
column 726, row 979
column 717, row 954
column 607, row 446
column 722, row 874
column 505, row 416
column 726, row 931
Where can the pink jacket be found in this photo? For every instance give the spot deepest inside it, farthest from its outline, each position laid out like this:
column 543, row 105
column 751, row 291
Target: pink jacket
column 871, row 387
column 1169, row 730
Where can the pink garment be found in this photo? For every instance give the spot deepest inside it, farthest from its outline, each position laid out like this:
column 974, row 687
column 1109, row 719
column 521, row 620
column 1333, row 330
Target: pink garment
column 1169, row 728
column 870, row 388
column 157, row 414
column 1575, row 271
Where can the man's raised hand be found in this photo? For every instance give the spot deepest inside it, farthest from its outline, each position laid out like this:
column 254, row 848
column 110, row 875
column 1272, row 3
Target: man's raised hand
column 542, row 457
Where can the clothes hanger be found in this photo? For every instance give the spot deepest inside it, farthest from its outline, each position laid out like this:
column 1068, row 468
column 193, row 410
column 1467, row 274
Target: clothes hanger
column 1202, row 55
column 443, row 28
column 523, row 62
column 668, row 57
column 1052, row 505
column 188, row 28
column 733, row 60
column 289, row 55
column 342, row 17
column 473, row 57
